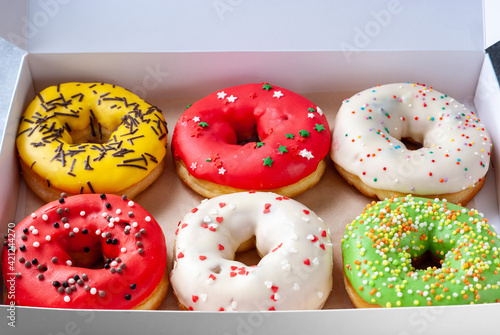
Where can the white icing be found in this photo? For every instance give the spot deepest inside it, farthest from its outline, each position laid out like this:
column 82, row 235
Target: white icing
column 281, row 280
column 442, row 128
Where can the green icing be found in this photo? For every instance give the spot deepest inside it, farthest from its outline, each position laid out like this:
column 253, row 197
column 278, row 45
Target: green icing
column 379, row 245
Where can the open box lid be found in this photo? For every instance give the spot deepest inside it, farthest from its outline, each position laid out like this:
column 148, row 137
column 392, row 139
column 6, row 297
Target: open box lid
column 63, row 26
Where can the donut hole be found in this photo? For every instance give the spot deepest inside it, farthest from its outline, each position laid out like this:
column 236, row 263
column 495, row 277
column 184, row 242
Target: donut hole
column 247, row 253
column 90, row 257
column 427, row 260
column 411, row 144
column 245, row 136
column 93, row 133
column 249, row 257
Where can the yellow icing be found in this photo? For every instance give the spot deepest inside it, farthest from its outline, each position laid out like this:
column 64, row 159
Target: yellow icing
column 46, row 137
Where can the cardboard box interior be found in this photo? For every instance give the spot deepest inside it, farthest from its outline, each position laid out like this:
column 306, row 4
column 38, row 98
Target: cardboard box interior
column 173, row 76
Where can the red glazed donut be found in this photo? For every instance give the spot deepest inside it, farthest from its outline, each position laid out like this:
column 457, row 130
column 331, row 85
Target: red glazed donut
column 58, row 249
column 251, row 137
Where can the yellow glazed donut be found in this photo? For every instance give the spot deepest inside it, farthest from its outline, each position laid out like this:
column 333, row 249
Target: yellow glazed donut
column 90, row 138
column 370, row 152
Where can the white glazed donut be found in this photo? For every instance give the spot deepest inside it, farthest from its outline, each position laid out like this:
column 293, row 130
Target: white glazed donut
column 369, row 152
column 295, row 272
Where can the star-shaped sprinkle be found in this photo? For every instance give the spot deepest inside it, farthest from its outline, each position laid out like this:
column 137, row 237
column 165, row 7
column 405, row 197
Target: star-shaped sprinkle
column 232, row 98
column 277, row 94
column 194, row 165
column 203, row 124
column 266, row 87
column 310, row 115
column 221, row 95
column 208, row 160
column 289, row 135
column 282, row 149
column 312, row 110
column 268, row 161
column 320, row 112
column 319, row 127
column 306, row 154
column 196, row 119
column 304, row 133
column 259, row 144
column 188, row 106
column 222, row 170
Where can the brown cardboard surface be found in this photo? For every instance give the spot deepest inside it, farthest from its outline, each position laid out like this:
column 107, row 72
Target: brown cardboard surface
column 168, row 199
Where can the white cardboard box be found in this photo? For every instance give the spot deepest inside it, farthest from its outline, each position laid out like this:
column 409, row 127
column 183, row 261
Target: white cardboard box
column 181, row 49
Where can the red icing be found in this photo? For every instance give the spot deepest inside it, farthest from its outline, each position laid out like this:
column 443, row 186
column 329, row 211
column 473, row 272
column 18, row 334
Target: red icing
column 125, row 290
column 219, row 124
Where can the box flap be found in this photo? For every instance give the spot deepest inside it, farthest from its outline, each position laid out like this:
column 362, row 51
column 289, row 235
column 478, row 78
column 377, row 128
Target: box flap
column 494, row 53
column 11, row 58
column 238, row 25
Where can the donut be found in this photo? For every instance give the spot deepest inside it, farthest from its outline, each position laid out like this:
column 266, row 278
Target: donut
column 251, row 137
column 90, row 138
column 399, row 139
column 87, row 251
column 295, row 271
column 381, row 249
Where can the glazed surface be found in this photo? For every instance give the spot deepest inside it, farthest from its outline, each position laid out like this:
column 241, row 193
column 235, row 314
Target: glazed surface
column 370, row 128
column 295, row 271
column 255, row 136
column 91, row 138
column 380, row 245
column 122, row 245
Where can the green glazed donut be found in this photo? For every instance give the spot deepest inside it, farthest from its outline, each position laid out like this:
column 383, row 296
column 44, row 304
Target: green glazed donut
column 382, row 245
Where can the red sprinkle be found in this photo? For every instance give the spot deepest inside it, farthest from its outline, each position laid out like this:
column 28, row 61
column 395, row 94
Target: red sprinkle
column 219, row 219
column 195, row 298
column 180, row 255
column 323, row 233
column 222, row 204
column 306, row 211
column 202, row 258
column 221, row 247
column 307, row 261
column 194, row 210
